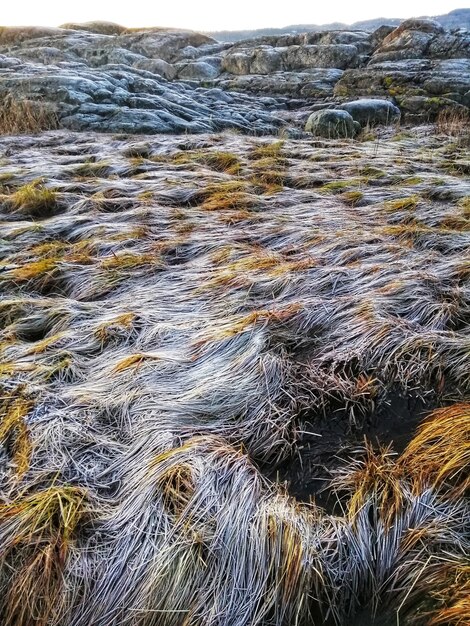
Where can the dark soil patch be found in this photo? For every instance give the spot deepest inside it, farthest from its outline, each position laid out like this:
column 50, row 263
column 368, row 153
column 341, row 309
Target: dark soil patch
column 330, row 443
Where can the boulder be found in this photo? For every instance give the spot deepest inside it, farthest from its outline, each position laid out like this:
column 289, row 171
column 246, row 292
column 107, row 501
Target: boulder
column 156, row 66
column 372, row 112
column 405, row 79
column 48, row 55
column 199, row 70
column 266, row 61
column 314, row 83
column 422, row 25
column 167, row 44
column 418, row 39
column 332, row 123
column 237, row 62
column 380, row 33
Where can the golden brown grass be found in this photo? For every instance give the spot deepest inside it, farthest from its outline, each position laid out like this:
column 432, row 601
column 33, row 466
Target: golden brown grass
column 375, row 477
column 338, row 186
column 455, row 599
column 401, row 204
column 21, row 116
column 128, row 260
column 134, row 360
column 272, row 150
column 34, row 200
column 91, row 169
column 220, row 161
column 352, row 197
column 177, row 487
column 454, row 122
column 232, row 195
column 41, row 531
column 439, row 455
column 36, row 269
column 107, row 329
column 13, row 411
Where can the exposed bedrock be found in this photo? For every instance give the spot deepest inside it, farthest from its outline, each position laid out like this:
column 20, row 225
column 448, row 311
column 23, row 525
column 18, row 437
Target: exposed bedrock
column 100, row 76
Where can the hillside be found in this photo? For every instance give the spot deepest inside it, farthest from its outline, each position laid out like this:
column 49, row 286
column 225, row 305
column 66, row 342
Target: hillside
column 459, row 18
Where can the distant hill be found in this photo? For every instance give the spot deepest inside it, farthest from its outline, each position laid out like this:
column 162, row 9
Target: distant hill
column 459, row 18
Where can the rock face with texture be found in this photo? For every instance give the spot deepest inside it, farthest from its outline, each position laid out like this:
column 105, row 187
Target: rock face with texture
column 332, row 124
column 368, row 111
column 125, row 99
column 102, row 76
column 419, row 60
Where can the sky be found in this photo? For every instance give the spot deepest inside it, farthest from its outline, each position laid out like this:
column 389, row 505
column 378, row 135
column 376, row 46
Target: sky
column 214, row 14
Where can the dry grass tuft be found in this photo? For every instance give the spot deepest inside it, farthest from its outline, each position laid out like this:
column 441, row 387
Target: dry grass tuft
column 454, row 122
column 454, row 599
column 34, row 200
column 13, row 410
column 21, row 116
column 272, row 150
column 373, row 478
column 223, row 162
column 229, row 195
column 269, row 167
column 37, row 532
column 439, row 455
column 35, row 269
column 220, row 161
column 352, row 197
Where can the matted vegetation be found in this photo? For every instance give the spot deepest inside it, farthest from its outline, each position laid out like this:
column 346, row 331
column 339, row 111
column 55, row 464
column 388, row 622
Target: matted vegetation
column 169, row 336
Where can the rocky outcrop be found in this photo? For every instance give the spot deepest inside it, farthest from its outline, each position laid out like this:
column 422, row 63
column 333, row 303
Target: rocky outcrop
column 118, row 98
column 442, row 83
column 101, row 76
column 308, row 84
column 415, row 64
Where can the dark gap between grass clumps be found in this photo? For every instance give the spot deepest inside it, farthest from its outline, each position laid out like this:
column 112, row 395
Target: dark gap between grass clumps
column 328, row 443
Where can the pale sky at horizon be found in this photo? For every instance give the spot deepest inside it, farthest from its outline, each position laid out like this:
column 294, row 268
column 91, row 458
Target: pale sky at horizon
column 213, row 14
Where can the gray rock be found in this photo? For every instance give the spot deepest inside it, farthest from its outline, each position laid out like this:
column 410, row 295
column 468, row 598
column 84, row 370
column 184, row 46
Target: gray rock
column 266, row 61
column 331, row 123
column 339, row 56
column 150, row 80
column 314, row 83
column 119, row 98
column 98, row 56
column 14, row 35
column 238, row 62
column 220, row 95
column 48, row 55
column 423, row 25
column 215, row 61
column 404, row 79
column 199, row 70
column 156, row 66
column 165, row 44
column 372, row 112
column 415, row 39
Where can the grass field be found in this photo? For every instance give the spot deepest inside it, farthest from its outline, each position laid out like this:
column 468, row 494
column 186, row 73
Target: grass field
column 184, row 321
